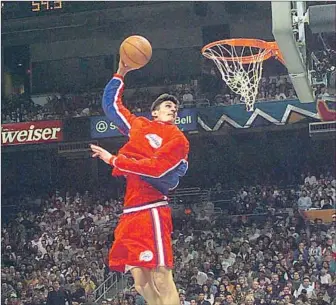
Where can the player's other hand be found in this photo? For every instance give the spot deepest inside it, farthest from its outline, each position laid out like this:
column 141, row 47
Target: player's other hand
column 123, row 68
column 102, row 154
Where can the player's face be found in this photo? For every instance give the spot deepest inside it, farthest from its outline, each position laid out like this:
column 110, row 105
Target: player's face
column 167, row 112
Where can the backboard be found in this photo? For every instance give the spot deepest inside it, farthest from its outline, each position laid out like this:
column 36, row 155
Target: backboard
column 294, row 26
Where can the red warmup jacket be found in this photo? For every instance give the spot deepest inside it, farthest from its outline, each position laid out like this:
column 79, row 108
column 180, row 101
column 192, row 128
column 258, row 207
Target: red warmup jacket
column 153, row 159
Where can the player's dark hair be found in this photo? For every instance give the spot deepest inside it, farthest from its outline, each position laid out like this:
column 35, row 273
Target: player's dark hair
column 164, row 98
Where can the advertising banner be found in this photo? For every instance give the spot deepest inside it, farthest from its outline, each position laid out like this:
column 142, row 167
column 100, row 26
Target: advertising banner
column 31, row 132
column 268, row 113
column 102, row 127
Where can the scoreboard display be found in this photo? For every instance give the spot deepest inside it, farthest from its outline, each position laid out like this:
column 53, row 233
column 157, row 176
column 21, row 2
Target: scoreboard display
column 22, row 9
column 40, row 6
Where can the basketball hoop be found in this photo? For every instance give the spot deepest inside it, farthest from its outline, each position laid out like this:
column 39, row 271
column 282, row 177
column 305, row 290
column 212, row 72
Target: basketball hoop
column 240, row 62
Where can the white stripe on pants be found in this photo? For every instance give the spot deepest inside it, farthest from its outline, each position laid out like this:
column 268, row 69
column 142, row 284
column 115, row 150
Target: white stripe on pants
column 158, row 237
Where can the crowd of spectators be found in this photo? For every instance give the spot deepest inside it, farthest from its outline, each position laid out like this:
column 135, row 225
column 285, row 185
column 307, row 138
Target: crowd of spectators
column 23, row 109
column 204, row 91
column 314, row 193
column 195, row 93
column 65, row 244
column 259, row 250
column 272, row 256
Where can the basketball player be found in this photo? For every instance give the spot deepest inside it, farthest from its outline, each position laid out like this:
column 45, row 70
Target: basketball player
column 153, row 160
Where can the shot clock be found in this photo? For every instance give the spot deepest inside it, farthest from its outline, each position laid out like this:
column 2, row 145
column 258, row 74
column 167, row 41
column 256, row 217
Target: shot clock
column 44, row 6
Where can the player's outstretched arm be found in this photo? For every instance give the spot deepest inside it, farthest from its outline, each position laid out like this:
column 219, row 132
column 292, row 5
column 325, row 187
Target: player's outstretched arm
column 101, row 153
column 112, row 101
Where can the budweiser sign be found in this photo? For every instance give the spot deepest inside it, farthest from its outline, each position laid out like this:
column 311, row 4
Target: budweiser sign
column 31, row 132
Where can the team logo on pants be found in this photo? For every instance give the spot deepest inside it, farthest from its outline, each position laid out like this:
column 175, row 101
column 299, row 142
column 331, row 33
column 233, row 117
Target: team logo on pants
column 146, row 256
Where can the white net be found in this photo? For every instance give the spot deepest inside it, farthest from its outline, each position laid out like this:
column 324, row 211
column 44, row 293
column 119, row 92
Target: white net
column 241, row 77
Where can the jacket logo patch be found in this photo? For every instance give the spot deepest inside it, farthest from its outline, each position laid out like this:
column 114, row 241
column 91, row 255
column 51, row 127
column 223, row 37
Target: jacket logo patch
column 154, row 140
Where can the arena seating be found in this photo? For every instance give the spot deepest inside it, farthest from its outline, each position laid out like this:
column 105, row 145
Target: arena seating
column 256, row 249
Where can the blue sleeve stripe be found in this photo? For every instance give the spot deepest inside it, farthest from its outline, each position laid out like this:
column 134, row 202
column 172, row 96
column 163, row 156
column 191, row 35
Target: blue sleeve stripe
column 111, row 93
column 116, row 105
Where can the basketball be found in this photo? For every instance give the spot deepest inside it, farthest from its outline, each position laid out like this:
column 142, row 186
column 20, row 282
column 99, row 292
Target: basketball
column 135, row 51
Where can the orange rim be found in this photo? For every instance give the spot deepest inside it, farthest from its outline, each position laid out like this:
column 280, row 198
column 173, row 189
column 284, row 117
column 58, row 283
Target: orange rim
column 270, row 49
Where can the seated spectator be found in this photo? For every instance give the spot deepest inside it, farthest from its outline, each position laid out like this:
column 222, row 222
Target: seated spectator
column 186, row 256
column 187, row 97
column 304, row 202
column 88, row 284
column 193, row 302
column 325, row 278
column 249, row 300
column 193, row 287
column 288, row 300
column 139, row 300
column 320, row 300
column 202, row 300
column 311, row 179
column 306, row 288
column 279, row 95
column 78, row 295
column 183, row 299
column 291, row 94
column 326, row 202
column 57, row 295
column 219, row 100
column 90, row 300
column 201, row 277
column 208, row 296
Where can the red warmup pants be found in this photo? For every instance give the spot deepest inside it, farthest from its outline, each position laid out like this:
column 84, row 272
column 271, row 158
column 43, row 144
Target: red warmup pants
column 143, row 238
